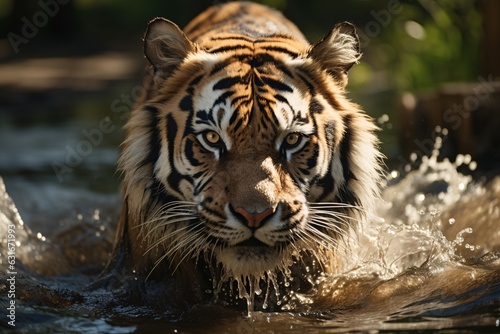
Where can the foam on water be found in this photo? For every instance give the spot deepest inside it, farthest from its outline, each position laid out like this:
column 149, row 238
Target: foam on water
column 407, row 231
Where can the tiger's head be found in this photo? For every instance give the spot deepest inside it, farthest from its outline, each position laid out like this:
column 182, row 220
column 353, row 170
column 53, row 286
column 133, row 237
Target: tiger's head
column 245, row 150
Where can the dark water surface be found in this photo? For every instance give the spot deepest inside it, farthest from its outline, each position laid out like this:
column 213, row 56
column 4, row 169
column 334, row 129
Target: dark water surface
column 429, row 261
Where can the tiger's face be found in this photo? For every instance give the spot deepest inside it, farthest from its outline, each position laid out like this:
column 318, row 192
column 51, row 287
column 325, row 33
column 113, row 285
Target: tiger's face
column 247, row 152
column 251, row 151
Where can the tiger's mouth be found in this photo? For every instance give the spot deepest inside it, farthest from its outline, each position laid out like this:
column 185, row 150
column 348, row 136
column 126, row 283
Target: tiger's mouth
column 245, row 260
column 255, row 241
column 251, row 257
column 252, row 243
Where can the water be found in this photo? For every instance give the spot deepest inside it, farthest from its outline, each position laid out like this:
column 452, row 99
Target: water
column 429, row 260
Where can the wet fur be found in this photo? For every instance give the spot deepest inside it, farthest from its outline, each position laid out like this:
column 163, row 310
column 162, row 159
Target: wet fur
column 160, row 235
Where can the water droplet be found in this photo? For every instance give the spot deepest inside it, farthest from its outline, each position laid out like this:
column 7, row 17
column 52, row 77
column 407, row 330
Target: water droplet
column 383, row 119
column 434, row 212
column 420, row 197
column 473, row 165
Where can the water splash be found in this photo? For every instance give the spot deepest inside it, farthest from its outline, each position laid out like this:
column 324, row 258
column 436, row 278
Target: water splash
column 248, row 288
column 410, row 228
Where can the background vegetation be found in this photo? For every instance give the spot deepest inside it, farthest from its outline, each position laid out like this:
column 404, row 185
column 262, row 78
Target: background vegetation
column 422, row 42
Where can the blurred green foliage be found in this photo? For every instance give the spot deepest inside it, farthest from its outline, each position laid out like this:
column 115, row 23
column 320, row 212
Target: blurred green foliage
column 418, row 45
column 430, row 43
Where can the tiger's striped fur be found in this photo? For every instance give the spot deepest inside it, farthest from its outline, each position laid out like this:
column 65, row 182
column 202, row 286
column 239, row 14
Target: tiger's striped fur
column 245, row 151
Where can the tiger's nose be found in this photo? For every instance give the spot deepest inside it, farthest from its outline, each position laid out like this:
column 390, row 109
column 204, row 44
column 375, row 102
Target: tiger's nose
column 253, row 220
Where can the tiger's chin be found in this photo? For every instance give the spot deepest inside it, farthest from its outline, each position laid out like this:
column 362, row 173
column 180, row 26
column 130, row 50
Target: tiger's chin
column 242, row 260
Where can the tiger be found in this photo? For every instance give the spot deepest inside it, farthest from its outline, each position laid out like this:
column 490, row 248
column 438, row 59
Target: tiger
column 244, row 161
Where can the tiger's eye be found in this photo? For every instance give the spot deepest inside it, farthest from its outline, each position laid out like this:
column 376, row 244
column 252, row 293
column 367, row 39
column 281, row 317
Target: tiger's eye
column 212, row 137
column 292, row 139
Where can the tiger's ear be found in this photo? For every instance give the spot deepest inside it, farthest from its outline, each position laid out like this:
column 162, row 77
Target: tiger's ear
column 166, row 46
column 338, row 51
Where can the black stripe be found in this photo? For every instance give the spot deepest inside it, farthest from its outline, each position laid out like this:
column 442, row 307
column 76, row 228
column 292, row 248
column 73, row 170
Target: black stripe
column 227, row 83
column 216, row 214
column 239, row 123
column 203, row 117
column 305, row 171
column 345, row 148
column 282, row 50
column 158, row 195
column 283, row 68
column 186, row 103
column 327, row 184
column 221, row 65
column 154, row 136
column 229, row 48
column 222, row 98
column 201, row 185
column 346, row 195
column 277, row 85
column 296, row 119
column 308, row 84
column 263, row 104
column 313, row 160
column 194, row 82
column 190, row 153
column 174, row 177
column 234, row 116
column 228, row 38
column 315, row 107
column 242, row 99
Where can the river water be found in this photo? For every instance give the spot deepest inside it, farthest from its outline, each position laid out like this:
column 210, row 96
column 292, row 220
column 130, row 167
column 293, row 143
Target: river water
column 429, row 260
